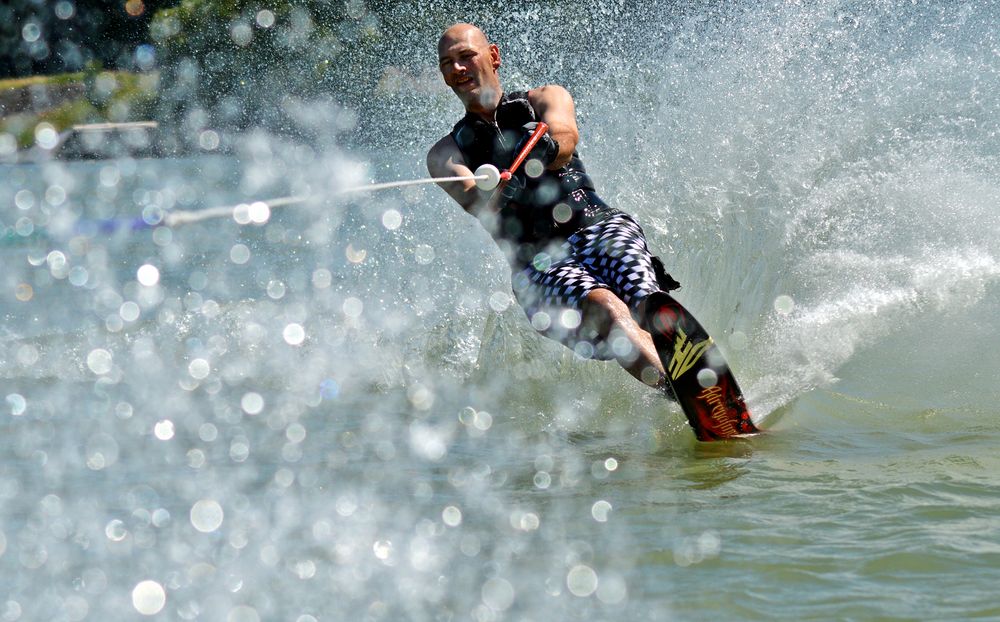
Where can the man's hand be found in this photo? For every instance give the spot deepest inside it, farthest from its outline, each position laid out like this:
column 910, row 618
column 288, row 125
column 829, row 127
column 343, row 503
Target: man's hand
column 545, row 150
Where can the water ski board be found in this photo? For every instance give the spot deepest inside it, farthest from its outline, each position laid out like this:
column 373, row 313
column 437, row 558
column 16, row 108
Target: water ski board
column 697, row 372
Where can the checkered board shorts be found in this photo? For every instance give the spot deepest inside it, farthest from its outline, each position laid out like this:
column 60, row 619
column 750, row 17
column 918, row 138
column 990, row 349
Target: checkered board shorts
column 611, row 254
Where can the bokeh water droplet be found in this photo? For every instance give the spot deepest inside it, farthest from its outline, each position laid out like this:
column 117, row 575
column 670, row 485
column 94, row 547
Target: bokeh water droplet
column 294, row 334
column 148, row 597
column 581, row 580
column 206, row 515
column 784, row 304
column 600, row 511
column 99, row 361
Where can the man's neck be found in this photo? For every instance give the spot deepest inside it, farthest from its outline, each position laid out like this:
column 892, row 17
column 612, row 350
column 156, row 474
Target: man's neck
column 488, row 110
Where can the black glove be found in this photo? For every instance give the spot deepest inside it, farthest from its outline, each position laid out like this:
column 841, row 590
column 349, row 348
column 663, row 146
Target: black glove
column 545, row 150
column 515, row 185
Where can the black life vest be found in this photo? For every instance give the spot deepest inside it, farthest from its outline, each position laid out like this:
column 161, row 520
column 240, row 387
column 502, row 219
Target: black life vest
column 549, row 207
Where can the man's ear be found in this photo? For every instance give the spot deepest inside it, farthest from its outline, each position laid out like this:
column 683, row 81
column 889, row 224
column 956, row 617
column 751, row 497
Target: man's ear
column 495, row 55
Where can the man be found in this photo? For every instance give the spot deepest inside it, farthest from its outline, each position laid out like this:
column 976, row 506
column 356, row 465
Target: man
column 581, row 269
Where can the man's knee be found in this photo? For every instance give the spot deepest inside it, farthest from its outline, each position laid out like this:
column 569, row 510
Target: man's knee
column 604, row 311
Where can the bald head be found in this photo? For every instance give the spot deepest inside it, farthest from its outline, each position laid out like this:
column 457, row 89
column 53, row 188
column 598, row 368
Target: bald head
column 469, row 64
column 462, row 32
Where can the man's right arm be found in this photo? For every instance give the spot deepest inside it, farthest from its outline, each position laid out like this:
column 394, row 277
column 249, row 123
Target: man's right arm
column 445, row 160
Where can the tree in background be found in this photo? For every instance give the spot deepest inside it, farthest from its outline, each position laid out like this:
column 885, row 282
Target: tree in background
column 46, row 37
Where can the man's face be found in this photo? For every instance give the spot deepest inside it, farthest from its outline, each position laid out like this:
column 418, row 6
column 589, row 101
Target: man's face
column 468, row 64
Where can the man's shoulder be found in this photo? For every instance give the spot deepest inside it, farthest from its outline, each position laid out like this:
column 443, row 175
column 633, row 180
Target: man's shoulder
column 547, row 89
column 549, row 95
column 445, row 145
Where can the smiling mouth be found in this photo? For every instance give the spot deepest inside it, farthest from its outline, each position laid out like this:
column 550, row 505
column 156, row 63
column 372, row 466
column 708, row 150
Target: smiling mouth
column 465, row 82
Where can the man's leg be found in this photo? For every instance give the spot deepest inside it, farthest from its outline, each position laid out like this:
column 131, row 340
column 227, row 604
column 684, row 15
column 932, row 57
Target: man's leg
column 609, row 316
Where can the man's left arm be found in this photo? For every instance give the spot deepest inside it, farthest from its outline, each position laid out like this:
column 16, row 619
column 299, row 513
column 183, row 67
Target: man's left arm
column 554, row 105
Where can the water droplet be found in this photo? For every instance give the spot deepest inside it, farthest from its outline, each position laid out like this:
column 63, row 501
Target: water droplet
column 498, row 594
column 239, row 254
column 241, row 34
column 570, row 318
column 208, row 140
column 295, row 433
column 148, row 598
column 541, row 321
column 534, row 168
column 164, row 430
column 101, row 451
column 99, row 361
column 46, row 135
column 259, row 212
column 353, row 307
column 252, row 403
column 423, row 254
column 707, row 378
column 208, row 432
column 265, row 18
column 784, row 304
column 275, row 290
column 294, row 334
column 64, row 9
column 241, row 214
column 239, row 449
column 78, row 276
column 600, row 511
column 17, row 404
column 24, row 199
column 160, row 517
column 148, row 275
column 452, row 516
column 58, row 264
column 199, row 369
column 391, row 219
column 581, row 580
column 542, row 480
column 500, row 301
column 55, row 195
column 129, row 311
column 562, row 213
column 206, row 515
column 24, row 292
column 115, row 530
column 612, row 589
column 355, row 255
column 482, row 421
column 382, row 549
column 25, row 227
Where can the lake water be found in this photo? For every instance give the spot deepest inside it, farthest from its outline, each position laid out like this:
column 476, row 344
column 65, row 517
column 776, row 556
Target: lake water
column 338, row 414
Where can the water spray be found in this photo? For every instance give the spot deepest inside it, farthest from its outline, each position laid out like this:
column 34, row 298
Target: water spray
column 487, row 178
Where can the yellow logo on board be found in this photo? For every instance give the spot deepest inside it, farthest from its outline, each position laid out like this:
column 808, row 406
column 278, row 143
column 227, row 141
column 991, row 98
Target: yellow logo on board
column 685, row 354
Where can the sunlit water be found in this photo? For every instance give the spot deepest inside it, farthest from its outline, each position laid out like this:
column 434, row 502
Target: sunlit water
column 339, row 414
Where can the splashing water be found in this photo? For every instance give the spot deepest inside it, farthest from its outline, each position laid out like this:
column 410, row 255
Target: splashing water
column 338, row 412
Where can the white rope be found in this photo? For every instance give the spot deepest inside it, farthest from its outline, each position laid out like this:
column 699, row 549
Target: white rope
column 256, row 212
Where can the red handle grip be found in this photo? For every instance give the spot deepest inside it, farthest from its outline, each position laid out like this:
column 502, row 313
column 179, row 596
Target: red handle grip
column 540, row 130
